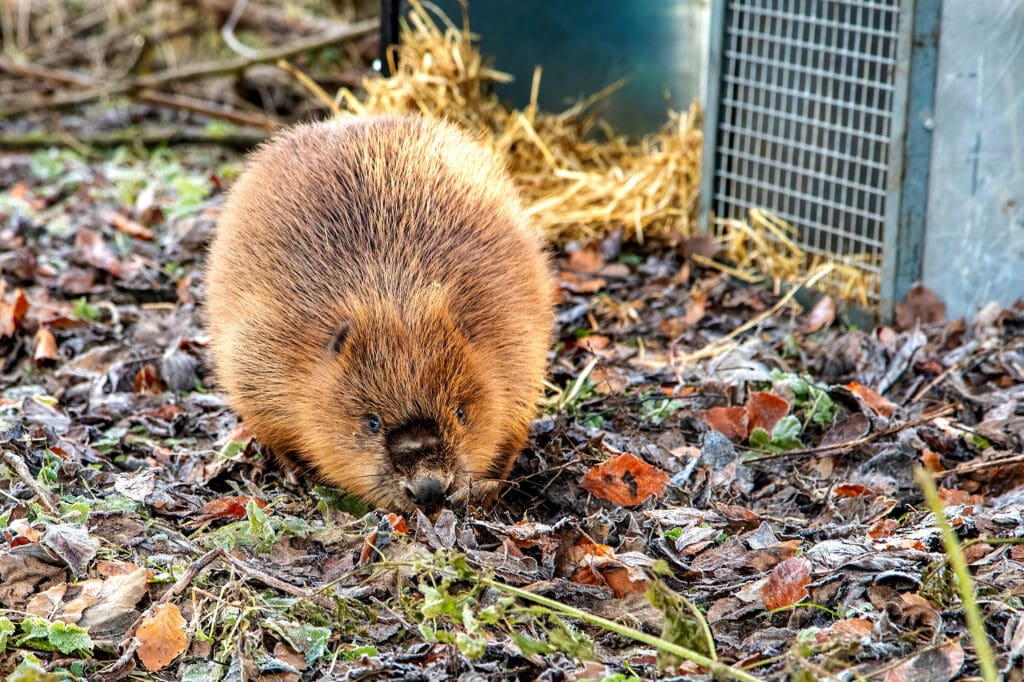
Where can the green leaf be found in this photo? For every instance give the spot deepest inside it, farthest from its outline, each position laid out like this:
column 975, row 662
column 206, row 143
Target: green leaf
column 46, row 636
column 684, row 624
column 6, row 630
column 358, row 652
column 571, row 642
column 786, row 434
column 31, row 670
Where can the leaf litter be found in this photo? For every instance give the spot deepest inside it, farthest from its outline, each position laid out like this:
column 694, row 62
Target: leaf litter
column 747, row 496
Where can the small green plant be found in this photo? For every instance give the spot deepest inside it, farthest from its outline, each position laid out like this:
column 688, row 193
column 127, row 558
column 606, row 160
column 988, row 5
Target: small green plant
column 657, row 412
column 44, row 635
column 785, row 436
column 810, row 398
column 81, row 309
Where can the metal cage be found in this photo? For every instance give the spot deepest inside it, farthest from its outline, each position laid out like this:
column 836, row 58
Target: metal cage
column 808, row 118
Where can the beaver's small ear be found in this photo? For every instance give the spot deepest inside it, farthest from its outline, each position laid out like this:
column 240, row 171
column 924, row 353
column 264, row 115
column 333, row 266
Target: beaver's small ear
column 340, row 335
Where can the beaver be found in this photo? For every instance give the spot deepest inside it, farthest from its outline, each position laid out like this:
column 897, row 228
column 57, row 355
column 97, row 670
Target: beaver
column 380, row 308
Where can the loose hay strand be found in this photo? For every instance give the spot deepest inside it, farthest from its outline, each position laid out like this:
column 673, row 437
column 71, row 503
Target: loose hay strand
column 572, row 186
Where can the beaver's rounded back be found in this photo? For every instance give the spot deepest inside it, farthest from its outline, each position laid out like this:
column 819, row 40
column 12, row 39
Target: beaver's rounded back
column 380, row 308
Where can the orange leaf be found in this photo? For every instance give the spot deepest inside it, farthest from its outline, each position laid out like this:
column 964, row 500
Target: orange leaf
column 787, row 583
column 731, row 422
column 626, row 480
column 845, row 630
column 128, row 226
column 11, row 313
column 577, row 285
column 46, row 347
column 873, row 400
column 884, row 529
column 765, row 410
column 227, row 508
column 147, row 380
column 852, row 490
column 161, row 637
column 933, row 664
column 585, row 260
column 931, row 461
column 397, row 523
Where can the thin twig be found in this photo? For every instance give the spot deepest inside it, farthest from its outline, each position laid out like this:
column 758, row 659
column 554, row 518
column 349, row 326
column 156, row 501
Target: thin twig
column 193, row 71
column 856, row 442
column 723, row 344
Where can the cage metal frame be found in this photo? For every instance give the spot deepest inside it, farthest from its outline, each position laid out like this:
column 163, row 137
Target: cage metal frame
column 908, row 141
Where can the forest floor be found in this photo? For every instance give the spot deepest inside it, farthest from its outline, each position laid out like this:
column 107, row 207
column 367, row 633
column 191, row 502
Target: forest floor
column 720, row 481
column 750, row 496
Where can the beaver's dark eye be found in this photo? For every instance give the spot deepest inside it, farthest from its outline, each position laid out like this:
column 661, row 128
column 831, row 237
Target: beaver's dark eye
column 373, row 423
column 460, row 414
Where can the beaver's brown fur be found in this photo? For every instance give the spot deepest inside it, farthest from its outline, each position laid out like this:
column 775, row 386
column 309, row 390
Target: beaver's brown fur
column 380, row 307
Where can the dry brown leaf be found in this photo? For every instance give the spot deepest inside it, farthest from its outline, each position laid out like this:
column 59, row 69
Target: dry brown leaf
column 920, row 306
column 852, row 490
column 765, row 410
column 586, row 261
column 147, row 380
column 850, row 629
column 932, row 665
column 883, row 529
column 232, row 507
column 787, row 583
column 873, row 400
column 625, row 479
column 128, row 226
column 608, row 380
column 731, row 422
column 578, row 285
column 822, row 315
column 161, row 637
column 12, row 313
column 931, row 461
column 96, row 253
column 596, row 564
column 46, row 347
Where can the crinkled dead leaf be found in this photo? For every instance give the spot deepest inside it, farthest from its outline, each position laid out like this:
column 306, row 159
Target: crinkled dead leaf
column 847, row 630
column 126, row 225
column 953, row 496
column 608, row 380
column 45, row 347
column 731, row 422
column 822, row 315
column 883, row 529
column 931, row 665
column 72, row 543
column 873, row 400
column 920, row 306
column 852, row 490
column 625, row 479
column 580, row 285
column 597, row 564
column 11, row 312
column 787, row 584
column 764, row 410
column 587, row 261
column 96, row 253
column 161, row 637
column 232, row 507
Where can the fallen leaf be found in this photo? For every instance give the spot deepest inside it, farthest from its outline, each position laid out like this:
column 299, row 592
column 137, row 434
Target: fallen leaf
column 625, row 479
column 128, row 226
column 397, row 523
column 586, row 261
column 161, row 637
column 764, row 410
column 577, row 285
column 850, row 629
column 232, row 507
column 883, row 529
column 595, row 343
column 873, row 400
column 787, row 583
column 916, row 611
column 608, row 380
column 96, row 253
column 46, row 347
column 953, row 496
column 920, row 306
column 932, row 665
column 822, row 315
column 596, row 564
column 12, row 313
column 147, row 380
column 852, row 490
column 72, row 543
column 930, row 460
column 731, row 422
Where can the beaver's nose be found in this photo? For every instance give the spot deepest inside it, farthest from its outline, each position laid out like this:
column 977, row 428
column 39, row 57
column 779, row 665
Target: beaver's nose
column 427, row 493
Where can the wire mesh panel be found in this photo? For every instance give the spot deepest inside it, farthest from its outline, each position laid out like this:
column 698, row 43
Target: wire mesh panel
column 808, row 121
